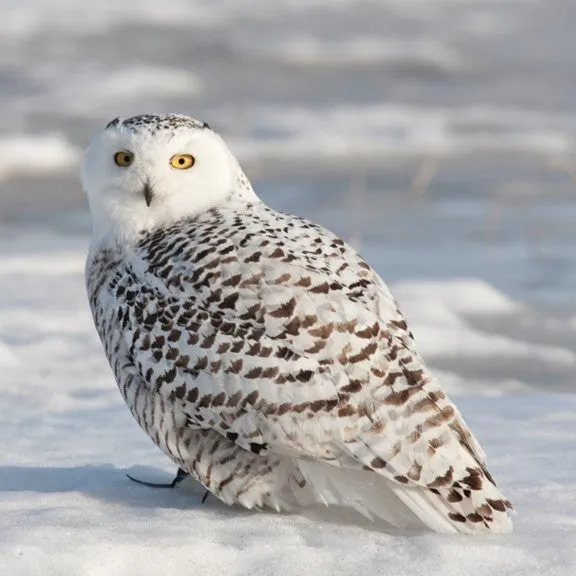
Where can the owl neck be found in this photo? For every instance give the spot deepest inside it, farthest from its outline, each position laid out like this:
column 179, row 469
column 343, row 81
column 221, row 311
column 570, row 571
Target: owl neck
column 241, row 188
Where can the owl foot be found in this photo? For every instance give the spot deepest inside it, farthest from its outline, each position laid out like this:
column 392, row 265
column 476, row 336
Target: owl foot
column 180, row 475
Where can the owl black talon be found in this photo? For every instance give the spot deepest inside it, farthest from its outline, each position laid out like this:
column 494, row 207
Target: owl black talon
column 206, row 494
column 180, row 475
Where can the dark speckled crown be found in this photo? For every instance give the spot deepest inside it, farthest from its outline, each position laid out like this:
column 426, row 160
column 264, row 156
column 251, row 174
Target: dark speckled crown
column 153, row 123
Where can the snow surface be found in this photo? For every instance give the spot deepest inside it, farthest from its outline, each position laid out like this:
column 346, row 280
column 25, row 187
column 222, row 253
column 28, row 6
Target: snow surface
column 288, row 79
column 309, row 89
column 66, row 506
column 27, row 17
column 435, row 310
column 36, row 154
column 94, row 89
column 306, row 50
column 381, row 130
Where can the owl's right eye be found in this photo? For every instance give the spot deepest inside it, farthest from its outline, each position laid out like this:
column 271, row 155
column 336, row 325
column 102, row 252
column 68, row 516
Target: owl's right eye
column 123, row 158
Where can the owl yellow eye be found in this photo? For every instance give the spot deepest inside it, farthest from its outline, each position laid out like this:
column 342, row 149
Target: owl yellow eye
column 123, row 158
column 182, row 161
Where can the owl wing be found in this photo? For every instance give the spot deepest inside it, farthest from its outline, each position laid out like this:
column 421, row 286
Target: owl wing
column 295, row 346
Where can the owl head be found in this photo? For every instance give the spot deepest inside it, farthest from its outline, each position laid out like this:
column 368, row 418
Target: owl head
column 151, row 170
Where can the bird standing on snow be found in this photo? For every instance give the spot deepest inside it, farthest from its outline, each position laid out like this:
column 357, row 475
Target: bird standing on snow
column 259, row 351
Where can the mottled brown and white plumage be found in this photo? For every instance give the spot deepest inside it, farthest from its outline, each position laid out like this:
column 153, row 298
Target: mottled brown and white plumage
column 259, row 351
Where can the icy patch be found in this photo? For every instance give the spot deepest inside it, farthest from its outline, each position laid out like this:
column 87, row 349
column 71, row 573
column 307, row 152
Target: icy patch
column 35, row 155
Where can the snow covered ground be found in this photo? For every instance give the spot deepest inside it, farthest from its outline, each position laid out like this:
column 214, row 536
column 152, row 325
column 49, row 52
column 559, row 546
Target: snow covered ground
column 66, row 506
column 333, row 107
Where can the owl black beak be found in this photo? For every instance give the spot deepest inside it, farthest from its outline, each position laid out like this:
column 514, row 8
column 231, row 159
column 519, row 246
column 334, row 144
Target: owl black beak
column 148, row 193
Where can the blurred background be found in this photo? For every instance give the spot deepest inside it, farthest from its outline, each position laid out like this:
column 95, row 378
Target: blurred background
column 437, row 136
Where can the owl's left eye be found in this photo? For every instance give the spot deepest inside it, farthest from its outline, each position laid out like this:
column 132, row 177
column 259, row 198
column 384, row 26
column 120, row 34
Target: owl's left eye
column 182, row 161
column 123, row 158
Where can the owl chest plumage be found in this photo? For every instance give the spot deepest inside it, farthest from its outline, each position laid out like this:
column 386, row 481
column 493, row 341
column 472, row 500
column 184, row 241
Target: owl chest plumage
column 228, row 317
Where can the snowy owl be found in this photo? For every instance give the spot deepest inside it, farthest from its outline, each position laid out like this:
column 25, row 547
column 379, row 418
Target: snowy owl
column 259, row 351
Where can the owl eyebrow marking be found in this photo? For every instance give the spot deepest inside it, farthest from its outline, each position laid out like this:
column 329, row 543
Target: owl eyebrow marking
column 113, row 122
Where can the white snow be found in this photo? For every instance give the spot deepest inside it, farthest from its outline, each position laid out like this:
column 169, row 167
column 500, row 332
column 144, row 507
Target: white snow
column 95, row 89
column 466, row 296
column 438, row 313
column 306, row 82
column 373, row 132
column 67, row 508
column 302, row 50
column 31, row 155
column 24, row 18
column 59, row 62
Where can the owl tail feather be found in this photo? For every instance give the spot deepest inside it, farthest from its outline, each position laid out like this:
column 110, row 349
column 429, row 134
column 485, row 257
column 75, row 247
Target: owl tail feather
column 400, row 506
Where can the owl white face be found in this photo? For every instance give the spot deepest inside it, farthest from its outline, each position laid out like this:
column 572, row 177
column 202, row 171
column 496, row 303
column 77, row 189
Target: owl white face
column 149, row 171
